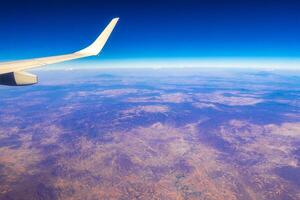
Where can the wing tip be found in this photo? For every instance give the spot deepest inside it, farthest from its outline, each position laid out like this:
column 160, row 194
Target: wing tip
column 116, row 19
column 97, row 45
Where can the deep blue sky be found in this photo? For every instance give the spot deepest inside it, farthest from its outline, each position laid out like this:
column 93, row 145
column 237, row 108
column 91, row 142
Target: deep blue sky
column 152, row 29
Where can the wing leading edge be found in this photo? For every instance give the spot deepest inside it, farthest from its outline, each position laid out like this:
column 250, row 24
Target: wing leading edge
column 92, row 50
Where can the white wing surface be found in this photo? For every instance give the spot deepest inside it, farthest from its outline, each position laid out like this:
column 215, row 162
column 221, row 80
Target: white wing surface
column 15, row 69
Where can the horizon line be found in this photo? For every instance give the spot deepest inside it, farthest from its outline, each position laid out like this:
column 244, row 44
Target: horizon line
column 157, row 63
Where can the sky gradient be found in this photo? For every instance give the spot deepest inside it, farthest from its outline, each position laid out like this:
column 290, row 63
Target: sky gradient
column 152, row 29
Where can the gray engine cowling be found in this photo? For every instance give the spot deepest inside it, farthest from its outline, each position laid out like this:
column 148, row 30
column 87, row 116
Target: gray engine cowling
column 18, row 79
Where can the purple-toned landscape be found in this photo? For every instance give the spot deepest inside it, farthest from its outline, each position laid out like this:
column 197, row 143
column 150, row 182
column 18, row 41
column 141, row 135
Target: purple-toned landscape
column 152, row 134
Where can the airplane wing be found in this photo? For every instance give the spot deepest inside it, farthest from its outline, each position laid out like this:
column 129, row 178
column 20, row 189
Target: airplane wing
column 12, row 73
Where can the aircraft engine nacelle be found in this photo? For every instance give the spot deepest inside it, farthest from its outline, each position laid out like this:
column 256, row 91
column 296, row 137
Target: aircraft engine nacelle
column 18, row 79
